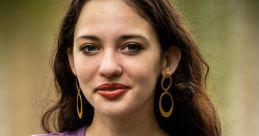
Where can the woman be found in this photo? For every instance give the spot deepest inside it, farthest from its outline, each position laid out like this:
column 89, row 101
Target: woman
column 129, row 67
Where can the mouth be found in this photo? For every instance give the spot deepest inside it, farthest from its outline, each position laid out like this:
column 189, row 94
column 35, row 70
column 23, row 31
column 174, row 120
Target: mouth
column 112, row 90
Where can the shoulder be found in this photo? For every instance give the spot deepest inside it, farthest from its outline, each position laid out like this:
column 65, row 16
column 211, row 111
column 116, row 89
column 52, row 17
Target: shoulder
column 79, row 132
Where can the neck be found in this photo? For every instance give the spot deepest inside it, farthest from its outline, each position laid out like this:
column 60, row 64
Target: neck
column 139, row 123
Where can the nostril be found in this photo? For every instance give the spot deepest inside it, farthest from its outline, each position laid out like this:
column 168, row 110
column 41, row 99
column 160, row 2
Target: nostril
column 111, row 72
column 110, row 68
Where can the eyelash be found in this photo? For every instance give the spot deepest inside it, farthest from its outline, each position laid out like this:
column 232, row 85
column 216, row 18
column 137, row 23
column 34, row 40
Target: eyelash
column 88, row 49
column 136, row 48
column 130, row 48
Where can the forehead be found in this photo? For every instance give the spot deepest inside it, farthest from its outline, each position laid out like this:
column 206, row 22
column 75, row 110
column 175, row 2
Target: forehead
column 110, row 13
column 107, row 7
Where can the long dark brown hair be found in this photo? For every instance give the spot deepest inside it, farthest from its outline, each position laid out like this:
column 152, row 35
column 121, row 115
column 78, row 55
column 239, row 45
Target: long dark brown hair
column 194, row 113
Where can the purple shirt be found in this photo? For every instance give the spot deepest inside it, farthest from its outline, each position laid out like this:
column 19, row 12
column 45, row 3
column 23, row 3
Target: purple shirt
column 79, row 132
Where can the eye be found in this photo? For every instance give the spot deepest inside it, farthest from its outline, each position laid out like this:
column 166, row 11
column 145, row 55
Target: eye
column 89, row 49
column 132, row 48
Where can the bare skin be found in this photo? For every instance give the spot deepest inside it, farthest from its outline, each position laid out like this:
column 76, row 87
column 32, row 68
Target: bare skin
column 113, row 44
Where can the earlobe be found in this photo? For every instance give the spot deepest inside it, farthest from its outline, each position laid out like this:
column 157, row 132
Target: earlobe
column 71, row 59
column 172, row 58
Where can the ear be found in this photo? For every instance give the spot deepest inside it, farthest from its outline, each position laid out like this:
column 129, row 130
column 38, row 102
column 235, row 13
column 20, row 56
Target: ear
column 71, row 59
column 171, row 60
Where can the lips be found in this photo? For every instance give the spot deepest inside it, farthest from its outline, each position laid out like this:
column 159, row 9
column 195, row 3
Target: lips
column 112, row 90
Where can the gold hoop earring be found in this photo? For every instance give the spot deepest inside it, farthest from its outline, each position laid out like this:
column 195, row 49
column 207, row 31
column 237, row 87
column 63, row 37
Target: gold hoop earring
column 79, row 108
column 164, row 113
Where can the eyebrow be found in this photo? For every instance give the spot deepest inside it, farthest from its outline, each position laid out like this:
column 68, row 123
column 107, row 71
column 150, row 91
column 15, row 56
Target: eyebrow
column 121, row 38
column 90, row 37
column 133, row 36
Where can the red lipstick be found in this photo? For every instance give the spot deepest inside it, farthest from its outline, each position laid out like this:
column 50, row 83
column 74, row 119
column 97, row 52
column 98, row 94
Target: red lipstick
column 112, row 90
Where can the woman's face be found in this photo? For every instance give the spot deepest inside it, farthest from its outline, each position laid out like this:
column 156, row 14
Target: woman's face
column 116, row 57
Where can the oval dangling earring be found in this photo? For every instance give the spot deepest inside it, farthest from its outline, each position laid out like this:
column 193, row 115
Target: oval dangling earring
column 79, row 108
column 164, row 113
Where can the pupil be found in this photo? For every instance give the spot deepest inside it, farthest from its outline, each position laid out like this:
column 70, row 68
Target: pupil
column 133, row 47
column 91, row 48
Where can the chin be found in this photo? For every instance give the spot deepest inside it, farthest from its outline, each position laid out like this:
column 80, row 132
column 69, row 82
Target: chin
column 115, row 111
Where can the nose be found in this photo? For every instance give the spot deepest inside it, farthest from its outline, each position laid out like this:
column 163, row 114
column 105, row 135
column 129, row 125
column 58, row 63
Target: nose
column 110, row 66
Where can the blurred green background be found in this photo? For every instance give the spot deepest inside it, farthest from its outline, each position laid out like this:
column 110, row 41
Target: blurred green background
column 227, row 32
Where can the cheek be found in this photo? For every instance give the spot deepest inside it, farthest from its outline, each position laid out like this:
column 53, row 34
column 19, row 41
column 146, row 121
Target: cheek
column 85, row 70
column 144, row 72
